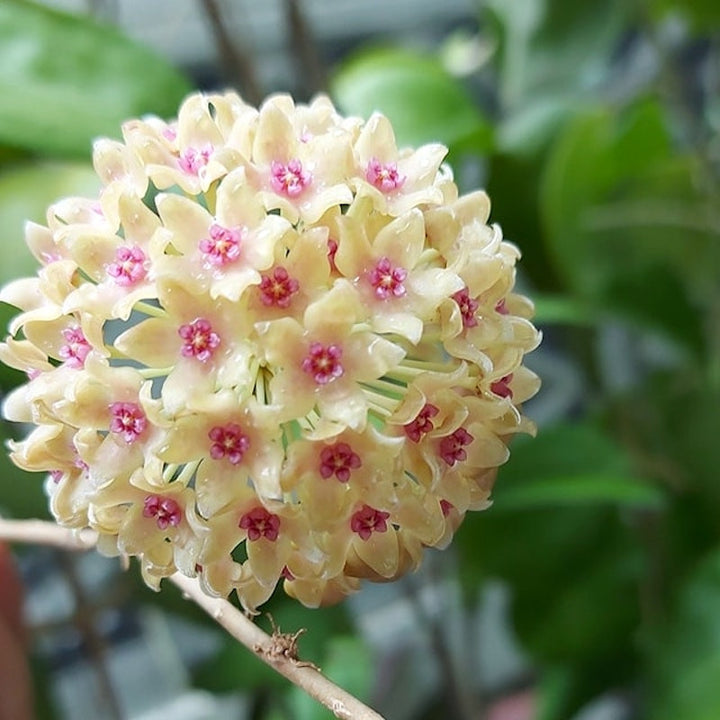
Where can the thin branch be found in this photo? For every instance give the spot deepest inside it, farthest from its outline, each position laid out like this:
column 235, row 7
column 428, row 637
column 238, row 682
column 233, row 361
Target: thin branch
column 237, row 63
column 40, row 532
column 84, row 621
column 459, row 704
column 304, row 49
column 341, row 703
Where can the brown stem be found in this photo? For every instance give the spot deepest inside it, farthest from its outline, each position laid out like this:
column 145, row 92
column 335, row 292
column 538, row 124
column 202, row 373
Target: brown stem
column 237, row 63
column 97, row 651
column 304, row 49
column 460, row 705
column 341, row 703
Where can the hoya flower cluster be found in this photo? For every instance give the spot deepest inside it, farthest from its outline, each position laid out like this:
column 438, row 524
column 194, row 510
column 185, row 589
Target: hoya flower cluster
column 275, row 349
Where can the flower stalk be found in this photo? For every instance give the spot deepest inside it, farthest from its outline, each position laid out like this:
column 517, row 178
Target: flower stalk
column 341, row 703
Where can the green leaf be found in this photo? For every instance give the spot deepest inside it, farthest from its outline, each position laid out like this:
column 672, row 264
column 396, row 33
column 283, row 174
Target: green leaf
column 562, row 451
column 565, row 568
column 560, row 310
column 588, row 489
column 704, row 15
column 565, row 552
column 527, row 129
column 26, row 192
column 684, row 654
column 424, row 103
column 65, row 80
column 551, row 56
column 570, row 466
column 653, row 296
column 555, row 691
column 626, row 226
column 513, row 183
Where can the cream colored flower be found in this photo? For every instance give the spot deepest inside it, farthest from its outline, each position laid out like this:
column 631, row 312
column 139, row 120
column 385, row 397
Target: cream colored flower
column 275, row 350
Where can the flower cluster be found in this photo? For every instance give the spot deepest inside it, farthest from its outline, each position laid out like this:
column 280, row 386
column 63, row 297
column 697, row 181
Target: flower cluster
column 275, row 349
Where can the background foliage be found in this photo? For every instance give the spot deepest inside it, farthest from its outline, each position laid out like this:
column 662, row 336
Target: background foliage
column 595, row 128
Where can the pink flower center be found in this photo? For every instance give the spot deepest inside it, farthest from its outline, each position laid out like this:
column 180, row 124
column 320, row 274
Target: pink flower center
column 338, row 460
column 165, row 511
column 80, row 464
column 260, row 523
column 76, row 349
column 422, row 424
column 452, row 447
column 277, row 289
column 501, row 387
column 387, row 280
column 228, row 441
column 199, row 340
column 50, row 257
column 128, row 420
column 467, row 306
column 384, row 177
column 129, row 266
column 289, row 179
column 368, row 520
column 169, row 132
column 446, row 506
column 332, row 251
column 222, row 246
column 286, row 573
column 323, row 363
column 193, row 160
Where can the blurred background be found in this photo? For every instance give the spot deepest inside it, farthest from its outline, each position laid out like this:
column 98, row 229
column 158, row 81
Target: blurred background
column 591, row 589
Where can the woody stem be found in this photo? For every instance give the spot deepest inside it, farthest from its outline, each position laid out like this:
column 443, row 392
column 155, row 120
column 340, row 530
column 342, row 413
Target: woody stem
column 341, row 703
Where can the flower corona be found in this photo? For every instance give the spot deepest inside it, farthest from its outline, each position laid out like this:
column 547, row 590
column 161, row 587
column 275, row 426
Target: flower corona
column 276, row 350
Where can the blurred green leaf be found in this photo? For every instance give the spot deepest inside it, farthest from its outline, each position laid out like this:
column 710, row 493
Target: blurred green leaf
column 424, row 103
column 562, row 547
column 570, row 465
column 654, row 297
column 590, row 488
column 528, row 127
column 684, row 655
column 562, row 310
column 26, row 191
column 702, row 14
column 21, row 493
column 552, row 56
column 513, row 183
column 66, row 79
column 626, row 225
column 670, row 423
column 565, row 568
column 562, row 451
column 556, row 689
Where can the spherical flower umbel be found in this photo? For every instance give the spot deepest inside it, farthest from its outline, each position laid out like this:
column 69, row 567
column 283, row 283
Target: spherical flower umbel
column 275, row 350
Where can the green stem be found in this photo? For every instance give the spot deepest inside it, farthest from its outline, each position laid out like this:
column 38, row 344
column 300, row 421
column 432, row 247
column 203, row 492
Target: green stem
column 187, row 472
column 148, row 309
column 150, row 373
column 387, row 388
column 169, row 471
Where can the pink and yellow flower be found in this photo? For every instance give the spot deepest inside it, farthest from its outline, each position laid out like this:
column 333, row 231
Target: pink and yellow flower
column 275, row 350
